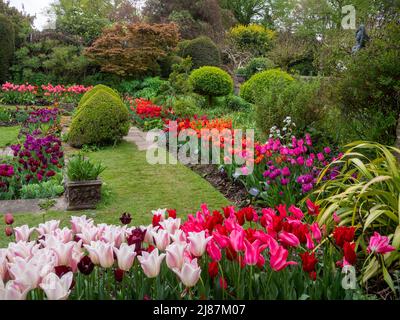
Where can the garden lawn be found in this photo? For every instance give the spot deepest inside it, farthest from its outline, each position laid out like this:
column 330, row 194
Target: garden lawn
column 134, row 186
column 8, row 136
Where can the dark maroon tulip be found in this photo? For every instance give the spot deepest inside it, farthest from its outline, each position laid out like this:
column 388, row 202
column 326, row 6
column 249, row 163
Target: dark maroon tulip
column 119, row 275
column 86, row 265
column 9, row 231
column 61, row 270
column 9, row 218
column 125, row 218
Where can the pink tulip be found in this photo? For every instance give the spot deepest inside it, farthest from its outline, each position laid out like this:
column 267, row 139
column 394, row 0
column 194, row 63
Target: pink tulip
column 23, row 233
column 48, row 227
column 30, row 273
column 3, row 264
column 297, row 213
column 161, row 239
column 171, row 225
column 221, row 240
column 279, row 261
column 56, row 288
column 13, row 291
column 237, row 239
column 198, row 242
column 113, row 235
column 310, row 243
column 214, row 251
column 289, row 239
column 179, row 236
column 189, row 274
column 101, row 253
column 88, row 234
column 64, row 252
column 251, row 252
column 125, row 256
column 65, row 235
column 316, row 232
column 78, row 223
column 379, row 244
column 151, row 263
column 20, row 249
column 175, row 255
column 336, row 218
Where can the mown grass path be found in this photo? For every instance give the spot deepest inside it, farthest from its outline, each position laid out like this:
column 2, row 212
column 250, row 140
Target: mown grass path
column 132, row 185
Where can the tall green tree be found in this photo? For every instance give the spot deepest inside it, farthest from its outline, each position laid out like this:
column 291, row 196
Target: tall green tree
column 246, row 11
column 7, row 46
column 84, row 18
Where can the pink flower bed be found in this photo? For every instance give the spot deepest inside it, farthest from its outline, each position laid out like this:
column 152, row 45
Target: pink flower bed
column 230, row 254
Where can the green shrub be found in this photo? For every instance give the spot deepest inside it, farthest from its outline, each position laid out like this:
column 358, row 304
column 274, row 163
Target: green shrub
column 299, row 100
column 262, row 82
column 81, row 169
column 148, row 88
column 254, row 66
column 236, row 103
column 186, row 107
column 88, row 95
column 211, row 82
column 202, row 50
column 44, row 190
column 103, row 119
column 7, row 46
column 167, row 63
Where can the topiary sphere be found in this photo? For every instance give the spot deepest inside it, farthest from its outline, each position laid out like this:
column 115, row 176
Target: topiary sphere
column 96, row 89
column 102, row 120
column 211, row 82
column 262, row 81
column 202, row 50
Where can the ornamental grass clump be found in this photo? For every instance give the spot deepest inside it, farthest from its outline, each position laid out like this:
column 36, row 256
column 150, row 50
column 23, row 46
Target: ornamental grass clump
column 81, row 169
column 103, row 119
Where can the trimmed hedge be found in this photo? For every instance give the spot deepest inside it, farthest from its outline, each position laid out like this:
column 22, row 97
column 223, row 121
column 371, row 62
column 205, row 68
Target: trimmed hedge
column 211, row 82
column 102, row 120
column 202, row 50
column 96, row 89
column 7, row 46
column 263, row 81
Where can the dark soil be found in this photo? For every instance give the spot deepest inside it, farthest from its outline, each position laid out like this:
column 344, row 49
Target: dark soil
column 233, row 191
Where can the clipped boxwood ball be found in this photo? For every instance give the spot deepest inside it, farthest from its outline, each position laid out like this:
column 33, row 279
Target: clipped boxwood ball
column 94, row 90
column 202, row 50
column 102, row 120
column 263, row 81
column 211, row 82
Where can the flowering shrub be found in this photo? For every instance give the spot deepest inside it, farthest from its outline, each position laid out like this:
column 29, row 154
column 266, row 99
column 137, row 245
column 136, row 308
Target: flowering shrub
column 30, row 94
column 230, row 254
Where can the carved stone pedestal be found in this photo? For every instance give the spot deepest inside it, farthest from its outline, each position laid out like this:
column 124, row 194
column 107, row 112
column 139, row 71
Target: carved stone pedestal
column 82, row 195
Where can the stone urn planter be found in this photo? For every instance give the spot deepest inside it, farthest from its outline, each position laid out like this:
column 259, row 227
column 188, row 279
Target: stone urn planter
column 82, row 195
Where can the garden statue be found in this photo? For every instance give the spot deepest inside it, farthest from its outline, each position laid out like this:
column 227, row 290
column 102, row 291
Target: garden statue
column 361, row 38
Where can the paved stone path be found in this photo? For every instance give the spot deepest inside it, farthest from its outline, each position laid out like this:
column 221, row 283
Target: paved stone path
column 138, row 137
column 30, row 206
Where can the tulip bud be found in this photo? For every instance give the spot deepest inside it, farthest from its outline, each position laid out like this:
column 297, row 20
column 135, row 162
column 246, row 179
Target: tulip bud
column 8, row 219
column 119, row 275
column 125, row 218
column 9, row 231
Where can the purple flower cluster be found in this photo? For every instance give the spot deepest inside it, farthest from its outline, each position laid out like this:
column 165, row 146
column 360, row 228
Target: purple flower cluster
column 294, row 163
column 39, row 158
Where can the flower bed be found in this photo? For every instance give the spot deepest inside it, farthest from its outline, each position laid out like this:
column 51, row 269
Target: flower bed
column 28, row 94
column 230, row 254
column 37, row 159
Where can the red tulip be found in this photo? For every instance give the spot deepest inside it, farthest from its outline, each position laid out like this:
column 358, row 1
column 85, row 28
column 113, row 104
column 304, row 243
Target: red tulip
column 213, row 269
column 350, row 253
